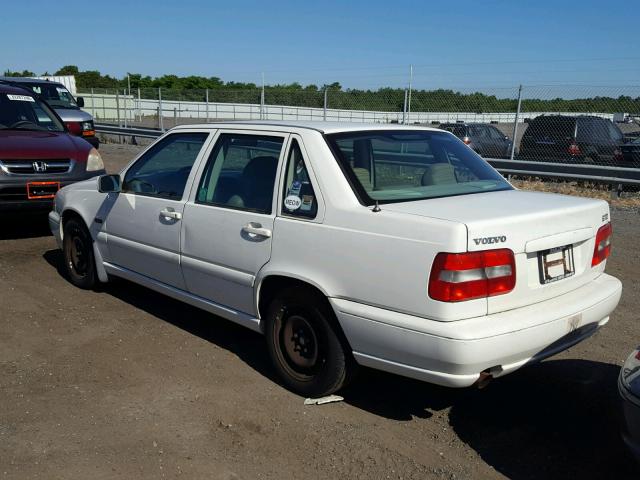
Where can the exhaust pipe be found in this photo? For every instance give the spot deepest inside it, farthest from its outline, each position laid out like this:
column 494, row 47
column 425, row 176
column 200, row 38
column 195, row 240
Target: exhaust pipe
column 484, row 380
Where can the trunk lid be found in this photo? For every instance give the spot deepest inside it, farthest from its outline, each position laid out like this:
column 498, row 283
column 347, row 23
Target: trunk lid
column 528, row 223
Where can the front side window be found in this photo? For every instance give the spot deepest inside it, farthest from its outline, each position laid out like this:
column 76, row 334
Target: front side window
column 299, row 199
column 164, row 169
column 395, row 165
column 241, row 172
column 20, row 111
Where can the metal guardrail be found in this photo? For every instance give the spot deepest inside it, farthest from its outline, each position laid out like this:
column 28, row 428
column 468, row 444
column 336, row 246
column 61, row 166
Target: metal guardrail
column 127, row 131
column 595, row 173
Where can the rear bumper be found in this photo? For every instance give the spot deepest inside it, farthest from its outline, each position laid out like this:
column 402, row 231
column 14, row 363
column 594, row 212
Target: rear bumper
column 455, row 353
column 13, row 189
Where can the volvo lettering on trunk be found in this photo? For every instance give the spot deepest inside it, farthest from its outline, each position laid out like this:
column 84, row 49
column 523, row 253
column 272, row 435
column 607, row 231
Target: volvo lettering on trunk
column 489, row 240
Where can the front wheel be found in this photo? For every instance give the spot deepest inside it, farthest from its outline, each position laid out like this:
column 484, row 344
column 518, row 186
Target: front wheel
column 77, row 248
column 305, row 344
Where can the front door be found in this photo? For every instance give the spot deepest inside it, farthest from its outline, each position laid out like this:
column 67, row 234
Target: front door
column 228, row 225
column 143, row 223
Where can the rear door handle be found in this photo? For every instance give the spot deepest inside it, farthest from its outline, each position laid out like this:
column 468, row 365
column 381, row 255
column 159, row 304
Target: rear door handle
column 170, row 213
column 255, row 230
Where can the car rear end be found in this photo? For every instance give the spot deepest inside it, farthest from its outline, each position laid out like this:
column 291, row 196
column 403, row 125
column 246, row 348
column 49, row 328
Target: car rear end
column 521, row 279
column 552, row 139
column 631, row 154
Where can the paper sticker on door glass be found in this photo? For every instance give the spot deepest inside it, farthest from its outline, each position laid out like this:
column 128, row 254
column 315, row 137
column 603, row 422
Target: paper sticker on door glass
column 307, row 203
column 292, row 202
column 20, row 98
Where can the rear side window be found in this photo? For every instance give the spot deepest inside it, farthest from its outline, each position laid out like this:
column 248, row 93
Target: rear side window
column 397, row 165
column 241, row 172
column 299, row 198
column 164, row 169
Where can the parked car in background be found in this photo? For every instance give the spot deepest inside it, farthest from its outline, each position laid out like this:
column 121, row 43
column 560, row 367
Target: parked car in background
column 392, row 247
column 38, row 155
column 631, row 153
column 67, row 107
column 563, row 138
column 482, row 138
column 629, row 388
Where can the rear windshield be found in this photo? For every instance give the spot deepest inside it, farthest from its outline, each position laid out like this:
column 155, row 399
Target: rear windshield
column 395, row 165
column 56, row 95
column 552, row 127
column 24, row 112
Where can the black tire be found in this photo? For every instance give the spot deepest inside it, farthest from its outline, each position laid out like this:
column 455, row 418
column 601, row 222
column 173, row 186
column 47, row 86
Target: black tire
column 77, row 249
column 306, row 346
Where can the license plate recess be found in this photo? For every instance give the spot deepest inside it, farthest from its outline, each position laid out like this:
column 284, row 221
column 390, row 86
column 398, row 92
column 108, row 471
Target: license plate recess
column 556, row 264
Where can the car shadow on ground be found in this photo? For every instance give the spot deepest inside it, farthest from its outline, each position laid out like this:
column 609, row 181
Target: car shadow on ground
column 554, row 420
column 24, row 225
column 246, row 344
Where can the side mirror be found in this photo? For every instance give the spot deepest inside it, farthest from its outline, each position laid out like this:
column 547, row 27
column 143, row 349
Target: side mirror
column 80, row 102
column 109, row 184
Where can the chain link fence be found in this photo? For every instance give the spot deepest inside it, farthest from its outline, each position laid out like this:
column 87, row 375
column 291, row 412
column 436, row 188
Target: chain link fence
column 560, row 124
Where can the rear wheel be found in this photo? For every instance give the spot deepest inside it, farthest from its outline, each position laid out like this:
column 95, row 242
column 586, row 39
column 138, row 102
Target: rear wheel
column 306, row 345
column 77, row 247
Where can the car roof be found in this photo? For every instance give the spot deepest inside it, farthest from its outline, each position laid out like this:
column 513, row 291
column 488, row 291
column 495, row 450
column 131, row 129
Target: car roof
column 12, row 89
column 28, row 80
column 319, row 126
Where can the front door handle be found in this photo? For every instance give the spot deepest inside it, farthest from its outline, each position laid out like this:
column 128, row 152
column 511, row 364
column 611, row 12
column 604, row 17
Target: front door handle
column 254, row 229
column 170, row 213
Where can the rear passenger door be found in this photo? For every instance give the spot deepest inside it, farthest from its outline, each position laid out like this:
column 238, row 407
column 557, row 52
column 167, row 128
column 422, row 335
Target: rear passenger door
column 228, row 221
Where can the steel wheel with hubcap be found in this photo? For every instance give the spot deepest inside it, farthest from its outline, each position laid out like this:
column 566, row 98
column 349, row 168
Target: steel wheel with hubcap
column 306, row 344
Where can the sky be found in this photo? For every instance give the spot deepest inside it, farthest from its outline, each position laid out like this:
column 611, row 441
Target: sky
column 361, row 44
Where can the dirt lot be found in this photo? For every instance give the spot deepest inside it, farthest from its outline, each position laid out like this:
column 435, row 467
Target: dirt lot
column 125, row 383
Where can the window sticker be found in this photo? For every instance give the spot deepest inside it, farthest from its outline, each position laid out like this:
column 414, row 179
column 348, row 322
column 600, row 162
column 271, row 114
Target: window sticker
column 307, row 203
column 292, row 203
column 20, row 98
column 295, row 187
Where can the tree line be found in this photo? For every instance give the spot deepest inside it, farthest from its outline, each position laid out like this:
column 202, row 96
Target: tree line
column 193, row 88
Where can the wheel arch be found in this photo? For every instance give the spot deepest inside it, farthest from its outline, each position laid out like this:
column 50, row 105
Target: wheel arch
column 272, row 283
column 68, row 213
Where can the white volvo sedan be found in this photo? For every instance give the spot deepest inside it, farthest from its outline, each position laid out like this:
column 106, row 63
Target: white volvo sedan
column 387, row 246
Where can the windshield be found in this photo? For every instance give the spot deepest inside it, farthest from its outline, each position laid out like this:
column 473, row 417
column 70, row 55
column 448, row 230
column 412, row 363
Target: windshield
column 395, row 165
column 55, row 95
column 24, row 112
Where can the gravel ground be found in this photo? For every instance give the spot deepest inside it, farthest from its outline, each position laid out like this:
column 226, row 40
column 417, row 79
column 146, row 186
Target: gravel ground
column 125, row 383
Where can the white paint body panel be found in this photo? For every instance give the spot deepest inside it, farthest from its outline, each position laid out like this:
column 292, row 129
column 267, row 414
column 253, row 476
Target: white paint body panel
column 373, row 266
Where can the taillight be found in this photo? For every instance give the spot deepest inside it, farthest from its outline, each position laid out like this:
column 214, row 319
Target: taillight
column 456, row 277
column 574, row 149
column 617, row 154
column 466, row 140
column 602, row 249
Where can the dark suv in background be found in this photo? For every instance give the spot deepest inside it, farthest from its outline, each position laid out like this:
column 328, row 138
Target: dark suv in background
column 78, row 122
column 483, row 138
column 563, row 138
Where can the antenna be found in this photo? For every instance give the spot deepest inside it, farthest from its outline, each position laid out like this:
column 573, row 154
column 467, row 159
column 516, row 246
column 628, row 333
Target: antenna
column 376, row 209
